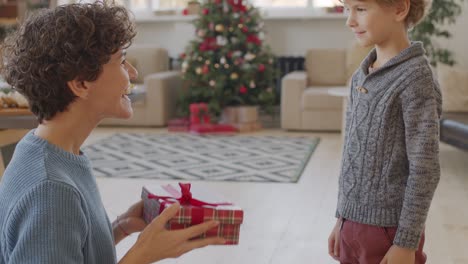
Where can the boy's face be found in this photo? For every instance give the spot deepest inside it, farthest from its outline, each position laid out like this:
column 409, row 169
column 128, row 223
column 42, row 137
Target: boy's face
column 371, row 22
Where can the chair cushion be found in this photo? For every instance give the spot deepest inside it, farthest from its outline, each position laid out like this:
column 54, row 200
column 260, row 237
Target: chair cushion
column 454, row 86
column 318, row 98
column 326, row 67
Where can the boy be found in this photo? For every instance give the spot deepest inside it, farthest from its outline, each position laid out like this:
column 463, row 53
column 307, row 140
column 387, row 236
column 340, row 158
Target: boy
column 390, row 167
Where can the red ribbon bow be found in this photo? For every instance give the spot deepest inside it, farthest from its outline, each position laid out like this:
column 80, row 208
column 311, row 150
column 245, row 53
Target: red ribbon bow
column 184, row 197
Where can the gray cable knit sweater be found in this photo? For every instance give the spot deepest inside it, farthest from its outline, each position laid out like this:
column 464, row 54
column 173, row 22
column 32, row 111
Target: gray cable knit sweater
column 390, row 166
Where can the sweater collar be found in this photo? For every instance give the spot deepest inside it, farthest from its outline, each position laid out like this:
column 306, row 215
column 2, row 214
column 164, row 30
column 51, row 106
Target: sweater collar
column 416, row 49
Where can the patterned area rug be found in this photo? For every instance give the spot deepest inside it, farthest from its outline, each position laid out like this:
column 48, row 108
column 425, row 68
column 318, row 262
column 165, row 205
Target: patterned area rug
column 212, row 158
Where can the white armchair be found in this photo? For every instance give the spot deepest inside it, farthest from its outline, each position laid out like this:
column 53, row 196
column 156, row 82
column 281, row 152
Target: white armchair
column 306, row 100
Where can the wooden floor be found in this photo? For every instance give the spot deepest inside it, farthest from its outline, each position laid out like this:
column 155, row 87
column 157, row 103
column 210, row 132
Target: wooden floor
column 290, row 223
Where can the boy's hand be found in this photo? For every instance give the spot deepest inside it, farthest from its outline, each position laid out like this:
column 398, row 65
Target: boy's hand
column 399, row 255
column 334, row 241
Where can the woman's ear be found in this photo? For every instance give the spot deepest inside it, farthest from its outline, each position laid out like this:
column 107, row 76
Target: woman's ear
column 402, row 10
column 79, row 88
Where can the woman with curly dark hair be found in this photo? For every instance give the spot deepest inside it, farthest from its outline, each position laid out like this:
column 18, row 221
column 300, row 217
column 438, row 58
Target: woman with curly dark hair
column 70, row 64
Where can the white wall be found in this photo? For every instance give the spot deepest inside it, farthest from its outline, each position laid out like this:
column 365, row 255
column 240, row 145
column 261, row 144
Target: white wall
column 459, row 43
column 285, row 36
column 291, row 36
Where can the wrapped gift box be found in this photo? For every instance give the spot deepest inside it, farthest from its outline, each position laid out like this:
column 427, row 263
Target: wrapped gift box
column 212, row 129
column 197, row 206
column 179, row 125
column 248, row 127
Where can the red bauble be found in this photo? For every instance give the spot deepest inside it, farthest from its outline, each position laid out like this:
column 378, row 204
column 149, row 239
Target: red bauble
column 205, row 69
column 185, row 12
column 243, row 89
column 245, row 29
column 261, row 68
column 254, row 39
column 208, row 44
column 206, row 11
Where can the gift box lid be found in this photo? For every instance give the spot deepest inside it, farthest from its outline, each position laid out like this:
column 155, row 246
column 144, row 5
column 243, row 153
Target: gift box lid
column 199, row 207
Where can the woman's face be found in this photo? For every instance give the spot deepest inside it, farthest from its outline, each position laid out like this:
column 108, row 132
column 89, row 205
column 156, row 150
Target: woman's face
column 107, row 96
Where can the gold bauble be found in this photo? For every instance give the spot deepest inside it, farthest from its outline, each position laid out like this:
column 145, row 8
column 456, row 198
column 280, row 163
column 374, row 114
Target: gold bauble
column 234, row 76
column 219, row 28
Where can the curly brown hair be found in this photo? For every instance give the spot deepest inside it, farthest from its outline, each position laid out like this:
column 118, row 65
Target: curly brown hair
column 54, row 46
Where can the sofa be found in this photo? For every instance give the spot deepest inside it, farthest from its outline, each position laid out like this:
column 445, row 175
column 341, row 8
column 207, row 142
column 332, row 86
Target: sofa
column 454, row 121
column 157, row 88
column 307, row 102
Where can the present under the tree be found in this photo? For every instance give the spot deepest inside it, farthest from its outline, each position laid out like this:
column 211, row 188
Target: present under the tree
column 197, row 206
column 243, row 118
column 179, row 125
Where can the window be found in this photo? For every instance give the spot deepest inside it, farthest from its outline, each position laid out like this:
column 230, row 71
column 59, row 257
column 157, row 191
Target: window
column 168, row 4
column 280, row 3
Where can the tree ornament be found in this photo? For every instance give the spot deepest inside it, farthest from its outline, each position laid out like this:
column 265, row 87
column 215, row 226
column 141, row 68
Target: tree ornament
column 252, row 84
column 237, row 53
column 185, row 12
column 249, row 56
column 219, row 28
column 221, row 41
column 216, row 65
column 234, row 76
column 243, row 89
column 198, row 70
column 261, row 67
column 200, row 58
column 206, row 11
column 185, row 65
column 206, row 69
column 201, row 33
column 222, row 60
column 226, row 66
column 207, row 62
column 212, row 83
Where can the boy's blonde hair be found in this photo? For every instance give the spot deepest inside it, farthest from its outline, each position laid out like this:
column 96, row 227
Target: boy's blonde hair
column 418, row 10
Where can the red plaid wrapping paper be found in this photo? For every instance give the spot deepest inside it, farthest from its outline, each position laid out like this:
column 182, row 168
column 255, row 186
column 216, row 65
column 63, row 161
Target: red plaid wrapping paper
column 230, row 217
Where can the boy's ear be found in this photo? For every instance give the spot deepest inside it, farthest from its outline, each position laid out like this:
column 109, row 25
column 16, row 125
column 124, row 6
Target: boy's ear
column 402, row 10
column 79, row 88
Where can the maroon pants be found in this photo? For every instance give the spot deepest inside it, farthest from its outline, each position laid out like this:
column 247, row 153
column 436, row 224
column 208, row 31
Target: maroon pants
column 367, row 244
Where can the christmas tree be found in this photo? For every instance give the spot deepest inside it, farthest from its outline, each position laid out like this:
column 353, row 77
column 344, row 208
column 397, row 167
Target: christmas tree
column 227, row 63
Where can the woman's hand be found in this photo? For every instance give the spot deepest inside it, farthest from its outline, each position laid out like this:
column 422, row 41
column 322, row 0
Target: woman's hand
column 129, row 222
column 156, row 242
